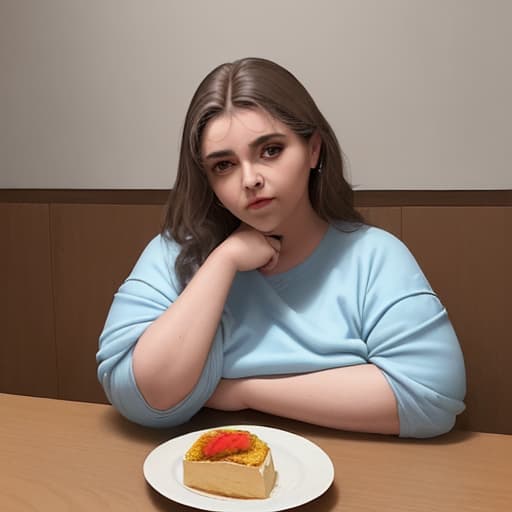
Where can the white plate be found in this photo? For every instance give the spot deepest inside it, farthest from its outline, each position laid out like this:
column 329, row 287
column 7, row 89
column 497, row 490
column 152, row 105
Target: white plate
column 304, row 472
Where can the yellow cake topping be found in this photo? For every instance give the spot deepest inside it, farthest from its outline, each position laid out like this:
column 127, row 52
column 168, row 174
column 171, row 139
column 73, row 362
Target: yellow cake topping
column 251, row 454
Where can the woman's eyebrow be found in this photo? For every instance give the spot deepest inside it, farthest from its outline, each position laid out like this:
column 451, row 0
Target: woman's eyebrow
column 254, row 144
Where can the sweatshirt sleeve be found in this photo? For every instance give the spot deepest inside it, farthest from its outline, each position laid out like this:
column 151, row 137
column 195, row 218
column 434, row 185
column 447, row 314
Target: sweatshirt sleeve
column 149, row 291
column 410, row 338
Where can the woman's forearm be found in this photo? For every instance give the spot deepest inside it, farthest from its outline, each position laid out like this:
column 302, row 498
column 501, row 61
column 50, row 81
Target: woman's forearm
column 356, row 398
column 169, row 357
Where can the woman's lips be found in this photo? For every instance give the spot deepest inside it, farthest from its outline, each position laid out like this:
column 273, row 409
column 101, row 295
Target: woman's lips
column 260, row 203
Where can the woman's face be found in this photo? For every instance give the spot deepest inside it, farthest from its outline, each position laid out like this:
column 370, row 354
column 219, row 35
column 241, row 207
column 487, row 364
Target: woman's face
column 259, row 169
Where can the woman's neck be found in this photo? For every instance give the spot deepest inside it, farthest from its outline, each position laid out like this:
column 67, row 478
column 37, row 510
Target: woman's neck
column 299, row 240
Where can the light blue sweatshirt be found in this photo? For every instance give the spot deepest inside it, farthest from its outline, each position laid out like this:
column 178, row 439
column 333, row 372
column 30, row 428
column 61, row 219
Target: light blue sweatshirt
column 359, row 298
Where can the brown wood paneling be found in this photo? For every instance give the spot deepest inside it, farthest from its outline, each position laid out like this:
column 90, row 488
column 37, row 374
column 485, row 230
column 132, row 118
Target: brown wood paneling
column 505, row 407
column 94, row 248
column 27, row 345
column 388, row 218
column 463, row 252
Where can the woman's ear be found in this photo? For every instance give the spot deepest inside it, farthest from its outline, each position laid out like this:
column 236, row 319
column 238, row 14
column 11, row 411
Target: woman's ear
column 315, row 147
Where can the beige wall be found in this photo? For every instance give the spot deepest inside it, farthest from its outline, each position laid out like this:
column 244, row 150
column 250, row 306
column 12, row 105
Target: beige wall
column 93, row 92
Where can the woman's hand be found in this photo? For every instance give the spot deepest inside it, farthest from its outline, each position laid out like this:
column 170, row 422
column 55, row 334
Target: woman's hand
column 249, row 249
column 229, row 396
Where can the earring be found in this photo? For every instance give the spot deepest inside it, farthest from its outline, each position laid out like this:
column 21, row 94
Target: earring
column 318, row 168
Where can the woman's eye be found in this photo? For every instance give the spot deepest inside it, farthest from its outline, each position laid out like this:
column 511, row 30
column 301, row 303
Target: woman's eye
column 272, row 151
column 221, row 166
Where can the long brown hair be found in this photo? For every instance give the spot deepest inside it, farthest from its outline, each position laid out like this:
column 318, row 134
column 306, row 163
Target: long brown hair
column 193, row 218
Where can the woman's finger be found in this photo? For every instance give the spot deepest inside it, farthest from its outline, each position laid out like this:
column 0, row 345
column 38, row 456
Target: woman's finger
column 274, row 243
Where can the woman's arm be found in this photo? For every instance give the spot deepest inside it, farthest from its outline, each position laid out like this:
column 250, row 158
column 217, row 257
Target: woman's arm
column 169, row 357
column 356, row 398
column 414, row 367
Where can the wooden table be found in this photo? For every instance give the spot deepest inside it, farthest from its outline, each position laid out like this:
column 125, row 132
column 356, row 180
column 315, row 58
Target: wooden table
column 58, row 456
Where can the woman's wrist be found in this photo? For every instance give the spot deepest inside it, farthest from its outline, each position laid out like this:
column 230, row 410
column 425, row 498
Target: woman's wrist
column 221, row 257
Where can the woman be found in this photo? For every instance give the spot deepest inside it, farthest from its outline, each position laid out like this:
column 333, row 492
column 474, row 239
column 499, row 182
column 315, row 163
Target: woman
column 265, row 289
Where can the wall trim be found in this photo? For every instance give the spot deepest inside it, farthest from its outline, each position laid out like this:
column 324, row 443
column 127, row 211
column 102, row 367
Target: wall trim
column 362, row 198
column 433, row 197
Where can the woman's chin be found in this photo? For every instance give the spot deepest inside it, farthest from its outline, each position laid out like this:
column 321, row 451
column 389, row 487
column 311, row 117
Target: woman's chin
column 266, row 228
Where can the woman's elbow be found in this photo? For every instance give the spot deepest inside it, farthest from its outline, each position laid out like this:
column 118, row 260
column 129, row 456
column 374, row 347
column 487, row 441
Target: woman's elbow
column 126, row 398
column 429, row 421
column 140, row 412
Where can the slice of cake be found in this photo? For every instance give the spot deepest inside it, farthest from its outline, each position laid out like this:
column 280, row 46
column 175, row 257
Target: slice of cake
column 232, row 463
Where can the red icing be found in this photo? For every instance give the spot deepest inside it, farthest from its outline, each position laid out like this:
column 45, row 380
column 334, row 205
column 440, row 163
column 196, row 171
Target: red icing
column 226, row 443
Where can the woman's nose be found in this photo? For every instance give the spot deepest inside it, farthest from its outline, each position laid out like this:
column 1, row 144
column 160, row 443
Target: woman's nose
column 252, row 179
